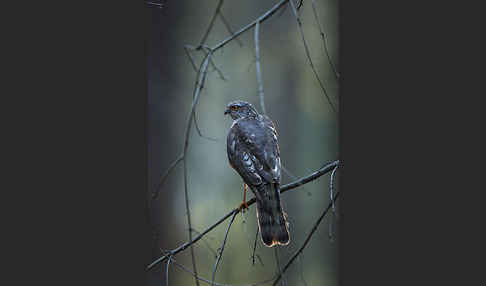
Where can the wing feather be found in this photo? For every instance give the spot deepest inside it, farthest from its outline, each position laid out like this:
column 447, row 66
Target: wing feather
column 256, row 140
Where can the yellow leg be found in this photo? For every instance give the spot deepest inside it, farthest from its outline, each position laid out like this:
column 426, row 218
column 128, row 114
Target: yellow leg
column 243, row 205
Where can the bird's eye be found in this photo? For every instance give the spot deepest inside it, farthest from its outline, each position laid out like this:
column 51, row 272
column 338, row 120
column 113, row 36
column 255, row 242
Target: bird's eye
column 234, row 107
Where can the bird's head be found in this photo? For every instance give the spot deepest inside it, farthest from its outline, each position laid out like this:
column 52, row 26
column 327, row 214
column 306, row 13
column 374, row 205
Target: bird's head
column 240, row 109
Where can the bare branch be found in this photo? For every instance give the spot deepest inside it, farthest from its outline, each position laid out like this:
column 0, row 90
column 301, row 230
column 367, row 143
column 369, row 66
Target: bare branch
column 332, row 187
column 199, row 130
column 308, row 54
column 203, row 40
column 325, row 169
column 306, row 240
column 167, row 271
column 324, row 40
column 162, row 179
column 254, row 246
column 187, row 48
column 222, row 248
column 228, row 27
column 332, row 201
column 258, row 70
column 260, row 19
column 204, row 69
column 191, row 59
column 221, row 75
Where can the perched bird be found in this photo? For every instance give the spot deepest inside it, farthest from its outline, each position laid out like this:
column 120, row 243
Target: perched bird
column 254, row 153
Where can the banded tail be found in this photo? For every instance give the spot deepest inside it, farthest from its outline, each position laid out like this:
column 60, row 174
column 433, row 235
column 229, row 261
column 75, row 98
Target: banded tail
column 272, row 222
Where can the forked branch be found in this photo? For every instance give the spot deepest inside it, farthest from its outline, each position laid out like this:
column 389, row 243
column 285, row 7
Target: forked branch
column 324, row 170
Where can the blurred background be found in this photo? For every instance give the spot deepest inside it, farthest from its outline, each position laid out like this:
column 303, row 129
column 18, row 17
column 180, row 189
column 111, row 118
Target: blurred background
column 307, row 127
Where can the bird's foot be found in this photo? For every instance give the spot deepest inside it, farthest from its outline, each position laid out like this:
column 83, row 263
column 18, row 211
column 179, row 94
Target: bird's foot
column 243, row 206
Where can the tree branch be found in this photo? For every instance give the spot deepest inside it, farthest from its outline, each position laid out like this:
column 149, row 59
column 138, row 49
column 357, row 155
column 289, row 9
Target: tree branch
column 228, row 27
column 220, row 254
column 307, row 239
column 162, row 180
column 167, row 271
column 203, row 40
column 258, row 70
column 254, row 246
column 204, row 69
column 324, row 40
column 325, row 169
column 299, row 25
column 260, row 19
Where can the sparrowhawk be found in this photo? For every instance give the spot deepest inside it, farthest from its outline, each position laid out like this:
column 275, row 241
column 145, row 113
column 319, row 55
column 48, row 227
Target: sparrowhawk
column 254, row 153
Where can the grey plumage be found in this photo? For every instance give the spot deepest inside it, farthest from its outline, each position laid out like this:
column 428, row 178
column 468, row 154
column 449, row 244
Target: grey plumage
column 253, row 152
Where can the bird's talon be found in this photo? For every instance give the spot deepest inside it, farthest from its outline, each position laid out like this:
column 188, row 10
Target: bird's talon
column 242, row 206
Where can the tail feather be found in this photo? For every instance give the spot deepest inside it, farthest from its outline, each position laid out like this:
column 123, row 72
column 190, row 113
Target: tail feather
column 272, row 220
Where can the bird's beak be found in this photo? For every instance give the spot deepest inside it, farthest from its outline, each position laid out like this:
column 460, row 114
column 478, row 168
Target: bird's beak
column 227, row 111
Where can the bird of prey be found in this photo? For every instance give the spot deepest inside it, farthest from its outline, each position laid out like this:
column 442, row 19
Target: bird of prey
column 254, row 153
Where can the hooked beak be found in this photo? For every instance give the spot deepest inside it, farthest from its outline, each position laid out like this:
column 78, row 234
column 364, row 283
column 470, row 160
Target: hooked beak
column 227, row 111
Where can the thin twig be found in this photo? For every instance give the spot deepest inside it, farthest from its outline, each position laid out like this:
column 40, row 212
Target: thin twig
column 187, row 48
column 199, row 130
column 228, row 27
column 306, row 240
column 260, row 19
column 203, row 40
column 323, row 170
column 299, row 25
column 167, row 271
column 222, row 248
column 162, row 179
column 332, row 201
column 332, row 187
column 203, row 68
column 324, row 40
column 258, row 69
column 221, row 75
column 191, row 59
column 254, row 246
